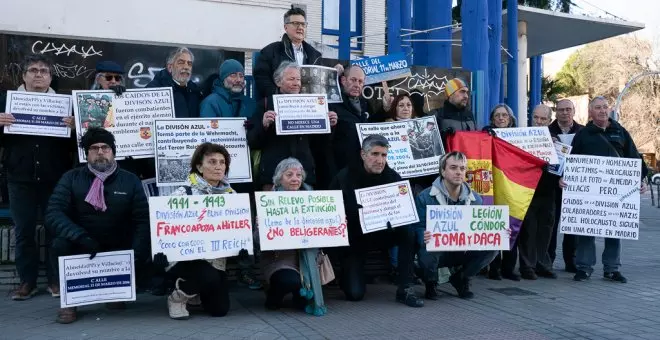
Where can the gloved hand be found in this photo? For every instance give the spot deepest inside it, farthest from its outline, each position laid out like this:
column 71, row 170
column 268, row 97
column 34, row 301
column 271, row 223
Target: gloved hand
column 449, row 131
column 491, row 131
column 389, row 228
column 243, row 255
column 160, row 262
column 118, row 89
column 90, row 246
column 247, row 124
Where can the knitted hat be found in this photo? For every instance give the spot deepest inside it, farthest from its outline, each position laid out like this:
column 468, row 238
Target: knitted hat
column 228, row 67
column 98, row 135
column 453, row 86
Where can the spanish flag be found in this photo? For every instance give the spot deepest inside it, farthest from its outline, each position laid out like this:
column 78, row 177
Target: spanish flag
column 515, row 173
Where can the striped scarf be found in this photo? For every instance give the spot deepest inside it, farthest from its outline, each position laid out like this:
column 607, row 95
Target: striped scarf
column 95, row 194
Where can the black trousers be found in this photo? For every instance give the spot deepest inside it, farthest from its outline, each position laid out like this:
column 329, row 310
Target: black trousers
column 569, row 243
column 505, row 261
column 203, row 279
column 536, row 233
column 353, row 259
column 283, row 282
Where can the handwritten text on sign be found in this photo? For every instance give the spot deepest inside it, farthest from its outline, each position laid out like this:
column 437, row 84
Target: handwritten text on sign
column 299, row 114
column 461, row 228
column 200, row 226
column 392, row 203
column 602, row 197
column 535, row 140
column 108, row 277
column 38, row 114
column 301, row 219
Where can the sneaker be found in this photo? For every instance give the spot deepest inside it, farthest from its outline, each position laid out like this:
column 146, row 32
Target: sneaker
column 431, row 291
column 548, row 274
column 194, row 302
column 462, row 286
column 528, row 275
column 176, row 303
column 511, row 276
column 25, row 291
column 407, row 297
column 66, row 315
column 615, row 276
column 581, row 275
column 251, row 282
column 54, row 290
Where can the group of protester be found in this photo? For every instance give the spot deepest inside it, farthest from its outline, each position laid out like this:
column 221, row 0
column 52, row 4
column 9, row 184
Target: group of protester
column 101, row 206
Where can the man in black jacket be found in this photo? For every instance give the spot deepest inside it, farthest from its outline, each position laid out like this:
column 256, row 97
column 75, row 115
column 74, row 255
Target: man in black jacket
column 187, row 95
column 98, row 208
column 33, row 164
column 454, row 114
column 372, row 171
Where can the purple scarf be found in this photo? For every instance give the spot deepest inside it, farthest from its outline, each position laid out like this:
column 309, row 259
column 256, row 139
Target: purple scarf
column 95, row 194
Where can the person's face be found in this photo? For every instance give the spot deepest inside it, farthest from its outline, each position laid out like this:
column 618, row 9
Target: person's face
column 565, row 112
column 295, row 28
column 598, row 111
column 37, row 77
column 292, row 179
column 100, row 156
column 375, row 160
column 181, row 68
column 404, row 109
column 109, row 79
column 540, row 117
column 290, row 83
column 90, row 101
column 501, row 118
column 460, row 98
column 213, row 168
column 354, row 83
column 454, row 171
column 235, row 82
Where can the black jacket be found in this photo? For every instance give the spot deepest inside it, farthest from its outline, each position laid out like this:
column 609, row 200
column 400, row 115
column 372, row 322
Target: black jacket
column 313, row 151
column 450, row 116
column 272, row 56
column 345, row 141
column 614, row 141
column 556, row 130
column 124, row 224
column 186, row 99
column 35, row 159
column 356, row 177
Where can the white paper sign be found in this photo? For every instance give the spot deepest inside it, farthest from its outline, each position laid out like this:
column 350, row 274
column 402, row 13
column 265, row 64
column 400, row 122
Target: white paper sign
column 563, row 150
column 602, row 197
column 38, row 114
column 415, row 145
column 177, row 139
column 108, row 277
column 200, row 227
column 566, row 138
column 301, row 114
column 130, row 117
column 392, row 203
column 301, row 219
column 464, row 227
column 535, row 140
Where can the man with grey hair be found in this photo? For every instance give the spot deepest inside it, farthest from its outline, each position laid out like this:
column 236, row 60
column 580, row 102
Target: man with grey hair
column 605, row 137
column 372, row 171
column 450, row 188
column 177, row 74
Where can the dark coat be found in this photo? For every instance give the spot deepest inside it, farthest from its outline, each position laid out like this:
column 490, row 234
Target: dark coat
column 186, row 99
column 345, row 142
column 556, row 130
column 450, row 116
column 272, row 56
column 222, row 103
column 124, row 224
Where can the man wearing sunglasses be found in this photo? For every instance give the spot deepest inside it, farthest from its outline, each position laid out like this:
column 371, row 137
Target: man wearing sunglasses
column 109, row 76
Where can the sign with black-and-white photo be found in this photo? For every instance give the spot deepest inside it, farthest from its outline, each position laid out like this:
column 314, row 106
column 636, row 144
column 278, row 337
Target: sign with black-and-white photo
column 320, row 80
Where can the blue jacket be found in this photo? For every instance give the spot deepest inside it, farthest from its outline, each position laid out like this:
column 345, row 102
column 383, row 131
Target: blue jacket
column 223, row 104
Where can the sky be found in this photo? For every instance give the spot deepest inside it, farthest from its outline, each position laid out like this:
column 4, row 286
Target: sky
column 641, row 11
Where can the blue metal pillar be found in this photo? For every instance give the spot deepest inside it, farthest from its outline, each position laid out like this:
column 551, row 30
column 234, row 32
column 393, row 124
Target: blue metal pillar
column 535, row 81
column 494, row 53
column 502, row 88
column 512, row 60
column 406, row 25
column 438, row 14
column 344, row 29
column 420, row 48
column 474, row 14
column 393, row 26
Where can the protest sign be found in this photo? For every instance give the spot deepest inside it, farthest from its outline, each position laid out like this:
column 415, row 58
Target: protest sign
column 199, row 227
column 38, row 114
column 566, row 138
column 392, row 203
column 563, row 150
column 108, row 277
column 177, row 139
column 415, row 145
column 130, row 117
column 383, row 68
column 301, row 219
column 465, row 227
column 301, row 114
column 320, row 80
column 535, row 140
column 601, row 197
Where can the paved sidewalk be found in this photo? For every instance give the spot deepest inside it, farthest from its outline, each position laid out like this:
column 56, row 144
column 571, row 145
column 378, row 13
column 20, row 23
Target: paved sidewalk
column 551, row 309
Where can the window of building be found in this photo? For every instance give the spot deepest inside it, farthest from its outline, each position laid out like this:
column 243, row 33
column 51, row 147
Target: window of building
column 331, row 22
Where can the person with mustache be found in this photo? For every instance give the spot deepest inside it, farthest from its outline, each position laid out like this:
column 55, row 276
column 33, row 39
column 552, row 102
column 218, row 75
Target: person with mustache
column 177, row 74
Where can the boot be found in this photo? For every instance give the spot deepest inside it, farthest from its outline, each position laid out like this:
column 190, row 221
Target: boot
column 176, row 302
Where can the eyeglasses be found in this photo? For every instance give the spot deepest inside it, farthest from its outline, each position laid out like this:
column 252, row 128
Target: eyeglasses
column 104, row 148
column 568, row 109
column 34, row 71
column 298, row 24
column 108, row 77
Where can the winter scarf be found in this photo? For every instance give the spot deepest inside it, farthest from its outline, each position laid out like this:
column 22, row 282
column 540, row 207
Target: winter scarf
column 95, row 194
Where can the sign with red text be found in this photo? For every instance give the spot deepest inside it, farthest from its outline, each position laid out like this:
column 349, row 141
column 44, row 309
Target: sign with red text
column 465, row 227
column 301, row 219
column 393, row 203
column 200, row 226
column 535, row 140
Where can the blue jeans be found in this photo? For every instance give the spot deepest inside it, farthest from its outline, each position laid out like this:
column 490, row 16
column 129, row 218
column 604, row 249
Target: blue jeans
column 585, row 255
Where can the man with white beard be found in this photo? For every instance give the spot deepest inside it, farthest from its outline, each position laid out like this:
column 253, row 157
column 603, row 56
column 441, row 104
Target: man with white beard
column 187, row 95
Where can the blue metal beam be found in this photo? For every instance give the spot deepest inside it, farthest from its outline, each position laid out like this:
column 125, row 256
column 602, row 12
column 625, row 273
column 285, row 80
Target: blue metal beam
column 494, row 53
column 438, row 14
column 393, row 26
column 406, row 24
column 512, row 60
column 344, row 29
column 420, row 48
column 535, row 81
column 474, row 14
